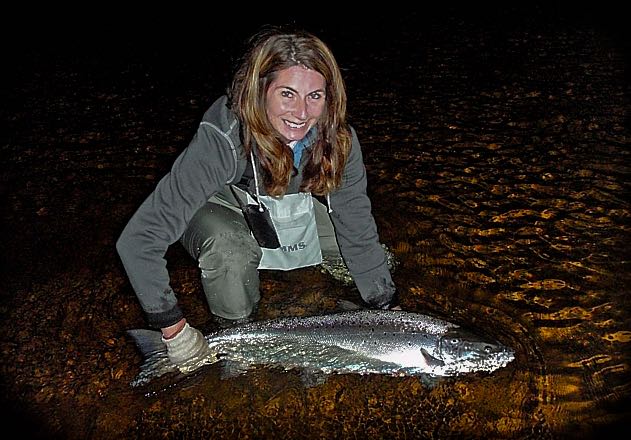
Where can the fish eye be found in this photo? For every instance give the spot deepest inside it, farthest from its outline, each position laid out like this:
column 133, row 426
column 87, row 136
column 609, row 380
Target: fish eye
column 454, row 341
column 488, row 348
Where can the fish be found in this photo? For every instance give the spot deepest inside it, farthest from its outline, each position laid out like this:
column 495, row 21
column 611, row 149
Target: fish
column 365, row 341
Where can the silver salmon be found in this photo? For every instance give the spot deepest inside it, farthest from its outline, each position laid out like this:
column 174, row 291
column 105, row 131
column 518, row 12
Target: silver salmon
column 362, row 341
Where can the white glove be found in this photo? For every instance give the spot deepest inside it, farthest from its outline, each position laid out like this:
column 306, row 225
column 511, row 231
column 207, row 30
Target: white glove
column 188, row 350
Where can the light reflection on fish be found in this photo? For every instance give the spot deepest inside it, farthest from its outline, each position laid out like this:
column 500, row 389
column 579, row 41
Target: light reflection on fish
column 361, row 341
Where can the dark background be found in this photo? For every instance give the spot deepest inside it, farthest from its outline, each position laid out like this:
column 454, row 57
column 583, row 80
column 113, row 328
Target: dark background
column 184, row 30
column 185, row 42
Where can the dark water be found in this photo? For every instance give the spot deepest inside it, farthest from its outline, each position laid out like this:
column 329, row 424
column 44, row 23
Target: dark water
column 497, row 150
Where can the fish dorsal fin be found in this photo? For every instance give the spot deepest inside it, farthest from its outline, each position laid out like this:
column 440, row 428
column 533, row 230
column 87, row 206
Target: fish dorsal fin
column 430, row 360
column 149, row 342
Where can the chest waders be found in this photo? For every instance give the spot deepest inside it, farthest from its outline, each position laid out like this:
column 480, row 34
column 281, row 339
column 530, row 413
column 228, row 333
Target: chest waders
column 229, row 257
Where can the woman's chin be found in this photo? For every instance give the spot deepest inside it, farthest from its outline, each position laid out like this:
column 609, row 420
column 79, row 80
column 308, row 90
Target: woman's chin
column 294, row 135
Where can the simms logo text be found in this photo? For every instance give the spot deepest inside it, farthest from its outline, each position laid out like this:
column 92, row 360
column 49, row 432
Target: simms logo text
column 294, row 247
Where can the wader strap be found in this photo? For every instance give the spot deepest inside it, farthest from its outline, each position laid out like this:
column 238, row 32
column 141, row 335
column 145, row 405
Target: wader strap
column 236, row 196
column 248, row 175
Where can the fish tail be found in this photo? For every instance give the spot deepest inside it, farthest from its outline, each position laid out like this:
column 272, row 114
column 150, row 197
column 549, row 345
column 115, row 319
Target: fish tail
column 149, row 342
column 156, row 362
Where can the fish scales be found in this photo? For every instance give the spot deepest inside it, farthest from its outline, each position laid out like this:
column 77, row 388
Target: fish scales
column 362, row 342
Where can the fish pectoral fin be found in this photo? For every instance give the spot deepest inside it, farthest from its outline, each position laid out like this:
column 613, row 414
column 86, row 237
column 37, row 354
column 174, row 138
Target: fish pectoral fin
column 430, row 360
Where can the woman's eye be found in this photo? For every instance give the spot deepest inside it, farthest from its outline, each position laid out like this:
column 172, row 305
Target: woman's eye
column 316, row 95
column 286, row 94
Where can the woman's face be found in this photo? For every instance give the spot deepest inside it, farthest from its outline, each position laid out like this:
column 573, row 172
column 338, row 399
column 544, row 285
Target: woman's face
column 295, row 101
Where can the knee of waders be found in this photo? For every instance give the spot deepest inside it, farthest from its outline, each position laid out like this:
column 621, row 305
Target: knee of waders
column 229, row 250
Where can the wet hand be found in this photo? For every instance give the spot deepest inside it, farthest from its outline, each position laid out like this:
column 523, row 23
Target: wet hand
column 188, row 349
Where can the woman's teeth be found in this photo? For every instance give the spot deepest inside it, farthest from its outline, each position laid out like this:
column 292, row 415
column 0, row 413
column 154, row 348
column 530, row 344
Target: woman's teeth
column 292, row 125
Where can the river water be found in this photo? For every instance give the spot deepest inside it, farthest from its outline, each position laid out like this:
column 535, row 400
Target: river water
column 498, row 166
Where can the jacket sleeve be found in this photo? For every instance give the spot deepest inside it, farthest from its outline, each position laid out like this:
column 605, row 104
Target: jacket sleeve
column 357, row 235
column 201, row 170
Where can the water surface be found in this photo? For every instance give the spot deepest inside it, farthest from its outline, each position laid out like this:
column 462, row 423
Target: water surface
column 498, row 165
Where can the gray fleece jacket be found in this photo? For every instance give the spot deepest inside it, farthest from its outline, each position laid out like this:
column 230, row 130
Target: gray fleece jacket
column 214, row 159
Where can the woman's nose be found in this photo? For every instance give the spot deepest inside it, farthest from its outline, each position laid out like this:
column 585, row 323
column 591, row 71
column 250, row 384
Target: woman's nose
column 300, row 110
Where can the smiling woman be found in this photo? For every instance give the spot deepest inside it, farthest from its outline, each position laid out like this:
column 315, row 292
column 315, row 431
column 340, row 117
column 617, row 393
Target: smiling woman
column 295, row 101
column 277, row 140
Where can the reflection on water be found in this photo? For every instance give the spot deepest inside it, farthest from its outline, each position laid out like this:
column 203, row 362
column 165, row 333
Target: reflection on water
column 522, row 220
column 498, row 170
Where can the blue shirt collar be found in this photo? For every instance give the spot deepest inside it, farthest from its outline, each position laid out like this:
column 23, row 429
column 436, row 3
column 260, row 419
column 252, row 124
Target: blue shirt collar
column 303, row 143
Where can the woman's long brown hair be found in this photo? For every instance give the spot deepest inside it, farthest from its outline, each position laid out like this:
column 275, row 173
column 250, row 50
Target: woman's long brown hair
column 270, row 51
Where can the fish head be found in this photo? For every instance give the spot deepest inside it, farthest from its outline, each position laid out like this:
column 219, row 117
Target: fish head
column 463, row 352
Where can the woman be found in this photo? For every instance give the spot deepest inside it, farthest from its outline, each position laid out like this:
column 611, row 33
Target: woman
column 278, row 141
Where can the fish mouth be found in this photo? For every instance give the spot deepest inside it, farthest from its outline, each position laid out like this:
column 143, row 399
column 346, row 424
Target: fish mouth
column 499, row 360
column 508, row 356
